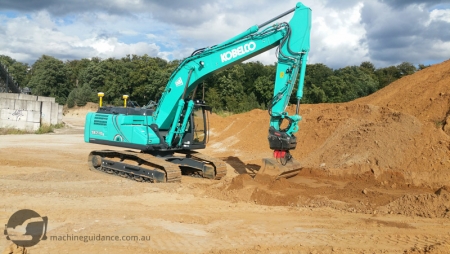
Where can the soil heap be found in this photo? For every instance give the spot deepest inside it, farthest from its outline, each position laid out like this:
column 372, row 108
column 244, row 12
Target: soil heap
column 401, row 131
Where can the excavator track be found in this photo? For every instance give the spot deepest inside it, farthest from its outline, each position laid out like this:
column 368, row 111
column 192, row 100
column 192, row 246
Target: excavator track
column 143, row 167
column 146, row 167
column 219, row 165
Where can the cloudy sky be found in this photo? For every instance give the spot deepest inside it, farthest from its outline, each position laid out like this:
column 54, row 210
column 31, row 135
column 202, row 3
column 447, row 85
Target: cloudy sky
column 344, row 32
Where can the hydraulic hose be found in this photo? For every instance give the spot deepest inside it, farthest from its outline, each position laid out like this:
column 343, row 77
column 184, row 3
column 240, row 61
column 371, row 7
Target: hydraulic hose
column 187, row 83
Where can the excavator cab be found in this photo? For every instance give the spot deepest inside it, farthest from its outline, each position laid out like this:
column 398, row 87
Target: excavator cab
column 200, row 124
column 196, row 135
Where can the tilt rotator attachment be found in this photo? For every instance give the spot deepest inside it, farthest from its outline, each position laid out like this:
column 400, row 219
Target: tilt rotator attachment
column 282, row 165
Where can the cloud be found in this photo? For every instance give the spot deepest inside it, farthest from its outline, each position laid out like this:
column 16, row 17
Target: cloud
column 344, row 32
column 31, row 37
column 61, row 8
column 341, row 4
column 406, row 3
column 415, row 37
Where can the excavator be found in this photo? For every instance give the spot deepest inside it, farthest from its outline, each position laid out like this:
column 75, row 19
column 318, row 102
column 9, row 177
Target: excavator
column 166, row 135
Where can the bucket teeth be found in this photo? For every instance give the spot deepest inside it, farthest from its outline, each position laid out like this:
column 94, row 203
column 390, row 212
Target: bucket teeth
column 275, row 169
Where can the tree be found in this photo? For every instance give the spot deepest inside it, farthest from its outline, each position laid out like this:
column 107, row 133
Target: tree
column 405, row 69
column 335, row 90
column 264, row 86
column 422, row 66
column 17, row 70
column 80, row 96
column 230, row 82
column 49, row 77
column 213, row 99
column 76, row 67
column 367, row 67
column 357, row 83
column 148, row 76
column 315, row 80
column 387, row 75
column 314, row 94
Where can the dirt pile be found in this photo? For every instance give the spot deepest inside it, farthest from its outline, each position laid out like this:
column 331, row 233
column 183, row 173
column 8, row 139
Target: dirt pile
column 314, row 188
column 366, row 140
column 425, row 94
column 424, row 205
column 439, row 248
column 397, row 130
column 80, row 110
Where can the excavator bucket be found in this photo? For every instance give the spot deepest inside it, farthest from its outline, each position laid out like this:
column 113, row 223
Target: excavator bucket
column 276, row 169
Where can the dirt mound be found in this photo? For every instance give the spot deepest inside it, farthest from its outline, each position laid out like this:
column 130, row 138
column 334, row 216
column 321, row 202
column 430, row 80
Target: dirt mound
column 367, row 140
column 425, row 205
column 398, row 130
column 439, row 248
column 425, row 94
column 80, row 111
column 385, row 153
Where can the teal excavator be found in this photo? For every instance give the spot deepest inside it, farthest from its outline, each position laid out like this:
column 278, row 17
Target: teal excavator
column 165, row 135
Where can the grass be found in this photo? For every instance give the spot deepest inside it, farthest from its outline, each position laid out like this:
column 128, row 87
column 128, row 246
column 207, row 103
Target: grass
column 223, row 113
column 45, row 128
column 12, row 131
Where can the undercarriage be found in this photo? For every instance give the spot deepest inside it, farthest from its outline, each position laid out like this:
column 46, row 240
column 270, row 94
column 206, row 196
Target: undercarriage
column 158, row 168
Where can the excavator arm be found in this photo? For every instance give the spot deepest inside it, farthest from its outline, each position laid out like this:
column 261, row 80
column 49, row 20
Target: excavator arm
column 292, row 40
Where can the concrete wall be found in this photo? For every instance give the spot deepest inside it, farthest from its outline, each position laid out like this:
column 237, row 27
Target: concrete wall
column 28, row 112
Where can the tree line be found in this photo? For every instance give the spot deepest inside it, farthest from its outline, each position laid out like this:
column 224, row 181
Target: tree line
column 240, row 88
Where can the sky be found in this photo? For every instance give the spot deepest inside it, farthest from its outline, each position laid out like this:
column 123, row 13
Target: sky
column 344, row 32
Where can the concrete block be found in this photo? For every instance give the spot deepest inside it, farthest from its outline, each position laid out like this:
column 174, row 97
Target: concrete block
column 54, row 114
column 34, row 117
column 19, row 125
column 49, row 99
column 29, row 126
column 34, row 105
column 7, row 103
column 27, row 97
column 33, row 126
column 46, row 111
column 60, row 113
column 4, row 114
column 14, row 115
column 20, row 105
column 13, row 96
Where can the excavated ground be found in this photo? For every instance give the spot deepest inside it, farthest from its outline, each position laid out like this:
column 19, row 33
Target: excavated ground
column 375, row 180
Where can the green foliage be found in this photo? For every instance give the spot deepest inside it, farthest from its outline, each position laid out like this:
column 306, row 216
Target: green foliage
column 355, row 83
column 42, row 130
column 12, row 131
column 314, row 94
column 240, row 88
column 81, row 96
column 367, row 67
column 422, row 66
column 76, row 67
column 45, row 128
column 264, row 89
column 386, row 76
column 213, row 99
column 406, row 68
column 314, row 86
column 49, row 77
column 16, row 69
